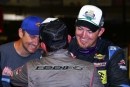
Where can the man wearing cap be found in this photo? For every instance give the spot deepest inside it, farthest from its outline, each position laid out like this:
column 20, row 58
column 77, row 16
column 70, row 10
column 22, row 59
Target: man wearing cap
column 58, row 68
column 88, row 45
column 17, row 53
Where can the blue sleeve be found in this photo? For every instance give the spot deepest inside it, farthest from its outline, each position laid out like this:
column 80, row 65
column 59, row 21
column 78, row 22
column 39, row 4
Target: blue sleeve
column 117, row 70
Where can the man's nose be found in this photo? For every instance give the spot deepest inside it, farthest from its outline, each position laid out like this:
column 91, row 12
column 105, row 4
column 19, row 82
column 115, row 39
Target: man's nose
column 84, row 34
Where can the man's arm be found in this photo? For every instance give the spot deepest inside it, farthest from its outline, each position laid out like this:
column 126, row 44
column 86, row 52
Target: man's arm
column 0, row 72
column 117, row 70
column 19, row 76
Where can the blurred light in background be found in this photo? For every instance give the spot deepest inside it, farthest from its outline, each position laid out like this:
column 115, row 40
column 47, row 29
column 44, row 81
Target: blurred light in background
column 13, row 17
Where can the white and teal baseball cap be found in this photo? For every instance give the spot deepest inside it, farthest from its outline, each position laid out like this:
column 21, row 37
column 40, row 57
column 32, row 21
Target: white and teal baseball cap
column 91, row 17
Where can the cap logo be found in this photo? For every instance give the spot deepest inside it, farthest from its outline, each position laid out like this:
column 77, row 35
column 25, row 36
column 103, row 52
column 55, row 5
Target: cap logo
column 38, row 24
column 89, row 15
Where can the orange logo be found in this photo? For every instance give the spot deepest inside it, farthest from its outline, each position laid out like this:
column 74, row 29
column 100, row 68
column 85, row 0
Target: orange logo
column 38, row 24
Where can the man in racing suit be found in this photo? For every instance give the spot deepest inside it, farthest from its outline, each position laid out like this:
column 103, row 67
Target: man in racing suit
column 58, row 68
column 87, row 45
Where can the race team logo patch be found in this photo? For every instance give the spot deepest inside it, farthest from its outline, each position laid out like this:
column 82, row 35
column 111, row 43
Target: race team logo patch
column 99, row 56
column 38, row 24
column 103, row 76
column 100, row 64
column 6, row 71
column 122, row 65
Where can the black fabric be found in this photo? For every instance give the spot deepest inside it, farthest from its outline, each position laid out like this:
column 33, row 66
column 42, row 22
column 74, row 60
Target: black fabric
column 87, row 24
column 115, row 75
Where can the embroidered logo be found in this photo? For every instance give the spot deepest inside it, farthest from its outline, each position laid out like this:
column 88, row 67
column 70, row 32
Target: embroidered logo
column 38, row 24
column 89, row 15
column 122, row 65
column 6, row 71
column 113, row 48
column 103, row 75
column 100, row 64
column 121, row 62
column 99, row 56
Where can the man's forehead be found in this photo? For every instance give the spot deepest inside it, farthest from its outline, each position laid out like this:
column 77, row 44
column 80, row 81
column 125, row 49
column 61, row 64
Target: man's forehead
column 32, row 34
column 84, row 27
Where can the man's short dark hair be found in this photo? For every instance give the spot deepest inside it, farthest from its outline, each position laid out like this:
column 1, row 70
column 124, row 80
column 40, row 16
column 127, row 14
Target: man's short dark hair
column 54, row 34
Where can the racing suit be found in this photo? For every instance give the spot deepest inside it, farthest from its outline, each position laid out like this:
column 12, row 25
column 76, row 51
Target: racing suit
column 58, row 69
column 111, row 68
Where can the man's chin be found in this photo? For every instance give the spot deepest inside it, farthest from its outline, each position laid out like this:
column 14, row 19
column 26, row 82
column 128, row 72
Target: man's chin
column 32, row 51
column 83, row 47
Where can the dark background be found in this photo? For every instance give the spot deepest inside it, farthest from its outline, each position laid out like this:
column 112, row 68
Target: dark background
column 117, row 23
column 117, row 17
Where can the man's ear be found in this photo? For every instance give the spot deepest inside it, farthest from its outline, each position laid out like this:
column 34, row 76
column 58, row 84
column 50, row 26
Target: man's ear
column 69, row 38
column 20, row 32
column 43, row 46
column 101, row 31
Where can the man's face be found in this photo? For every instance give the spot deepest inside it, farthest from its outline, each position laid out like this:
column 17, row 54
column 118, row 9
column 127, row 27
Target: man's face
column 30, row 42
column 85, row 37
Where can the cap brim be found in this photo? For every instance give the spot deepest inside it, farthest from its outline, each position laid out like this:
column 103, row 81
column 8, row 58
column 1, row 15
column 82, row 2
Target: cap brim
column 32, row 32
column 87, row 24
